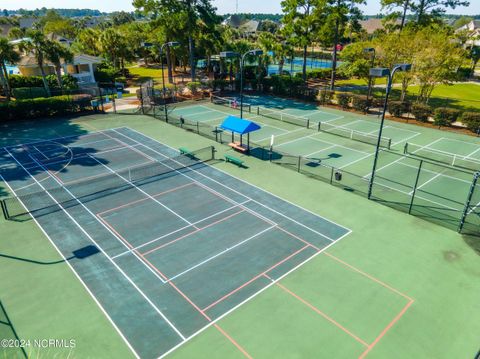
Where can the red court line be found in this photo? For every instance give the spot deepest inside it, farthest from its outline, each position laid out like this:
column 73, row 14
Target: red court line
column 114, row 231
column 253, row 279
column 244, row 352
column 297, row 237
column 195, row 231
column 368, row 276
column 145, row 199
column 384, row 331
column 315, row 309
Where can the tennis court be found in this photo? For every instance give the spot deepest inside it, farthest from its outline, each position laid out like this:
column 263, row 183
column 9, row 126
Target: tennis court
column 165, row 243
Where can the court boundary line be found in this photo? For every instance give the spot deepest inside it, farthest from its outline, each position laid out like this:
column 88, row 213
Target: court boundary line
column 177, row 230
column 348, row 231
column 106, row 255
column 143, row 192
column 97, row 302
column 247, row 197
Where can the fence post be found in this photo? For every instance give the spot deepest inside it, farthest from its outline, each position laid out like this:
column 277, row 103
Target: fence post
column 198, row 128
column 114, row 104
column 331, row 175
column 216, row 134
column 415, row 187
column 299, row 162
column 468, row 202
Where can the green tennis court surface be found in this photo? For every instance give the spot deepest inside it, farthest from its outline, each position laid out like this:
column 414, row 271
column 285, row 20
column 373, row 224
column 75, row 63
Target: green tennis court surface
column 165, row 243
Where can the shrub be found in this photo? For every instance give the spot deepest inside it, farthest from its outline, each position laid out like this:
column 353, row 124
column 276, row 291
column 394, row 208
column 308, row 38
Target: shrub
column 319, row 74
column 421, row 112
column 325, row 96
column 19, row 81
column 397, row 108
column 194, row 86
column 361, row 103
column 472, row 121
column 22, row 93
column 445, row 116
column 219, row 84
column 43, row 107
column 343, row 100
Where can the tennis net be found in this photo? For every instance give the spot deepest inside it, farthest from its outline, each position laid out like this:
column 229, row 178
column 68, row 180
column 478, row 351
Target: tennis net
column 448, row 158
column 372, row 139
column 285, row 117
column 231, row 103
column 101, row 186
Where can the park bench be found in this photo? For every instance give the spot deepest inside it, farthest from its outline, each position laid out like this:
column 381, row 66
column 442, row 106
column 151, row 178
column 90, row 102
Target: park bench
column 234, row 160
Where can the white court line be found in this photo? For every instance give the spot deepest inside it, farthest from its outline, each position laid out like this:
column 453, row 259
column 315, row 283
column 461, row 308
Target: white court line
column 430, row 180
column 454, row 139
column 99, row 220
column 311, row 154
column 208, row 110
column 377, row 130
column 220, row 253
column 43, row 154
column 237, row 192
column 178, row 230
column 355, row 161
column 282, row 134
column 468, row 156
column 96, row 244
column 145, row 193
column 67, row 262
column 406, row 139
column 213, row 322
column 56, row 138
column 331, row 143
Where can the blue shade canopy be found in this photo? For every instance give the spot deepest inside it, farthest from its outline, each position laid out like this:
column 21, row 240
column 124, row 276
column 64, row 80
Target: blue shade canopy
column 237, row 125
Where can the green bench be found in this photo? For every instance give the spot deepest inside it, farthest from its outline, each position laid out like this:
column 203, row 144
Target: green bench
column 186, row 152
column 235, row 160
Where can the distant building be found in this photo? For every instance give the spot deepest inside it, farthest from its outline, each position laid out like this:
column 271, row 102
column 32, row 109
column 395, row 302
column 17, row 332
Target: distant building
column 250, row 27
column 27, row 22
column 473, row 30
column 233, row 21
column 5, row 29
column 60, row 39
column 372, row 25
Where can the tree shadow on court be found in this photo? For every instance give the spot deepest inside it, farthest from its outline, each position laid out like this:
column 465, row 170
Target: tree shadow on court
column 8, row 332
column 473, row 242
column 21, row 132
column 80, row 253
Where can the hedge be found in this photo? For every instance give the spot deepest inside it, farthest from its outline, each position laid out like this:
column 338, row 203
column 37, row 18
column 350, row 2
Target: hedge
column 421, row 112
column 325, row 96
column 398, row 108
column 319, row 74
column 44, row 107
column 445, row 116
column 343, row 100
column 361, row 103
column 20, row 81
column 472, row 121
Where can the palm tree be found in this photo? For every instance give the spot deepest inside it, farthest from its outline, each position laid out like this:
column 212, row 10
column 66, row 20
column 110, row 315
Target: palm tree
column 37, row 44
column 7, row 54
column 55, row 53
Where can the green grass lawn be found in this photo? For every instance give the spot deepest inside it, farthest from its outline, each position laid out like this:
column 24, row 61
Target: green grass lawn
column 142, row 74
column 464, row 96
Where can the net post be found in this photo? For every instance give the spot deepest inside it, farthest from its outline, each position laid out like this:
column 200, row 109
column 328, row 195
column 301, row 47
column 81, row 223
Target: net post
column 299, row 163
column 4, row 209
column 213, row 152
column 319, row 125
column 308, row 123
column 405, row 148
column 216, row 134
column 389, row 144
column 468, row 202
column 415, row 187
column 198, row 128
column 258, row 110
column 331, row 175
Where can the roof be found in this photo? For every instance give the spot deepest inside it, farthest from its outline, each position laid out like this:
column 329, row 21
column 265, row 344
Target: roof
column 31, row 61
column 250, row 26
column 372, row 25
column 237, row 125
column 86, row 59
column 233, row 21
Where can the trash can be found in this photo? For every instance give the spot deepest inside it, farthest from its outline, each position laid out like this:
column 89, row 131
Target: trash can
column 338, row 176
column 119, row 94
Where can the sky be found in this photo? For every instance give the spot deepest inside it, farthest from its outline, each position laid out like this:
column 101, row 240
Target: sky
column 224, row 6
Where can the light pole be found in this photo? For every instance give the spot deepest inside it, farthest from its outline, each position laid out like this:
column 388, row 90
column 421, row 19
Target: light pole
column 232, row 54
column 383, row 72
column 370, row 50
column 169, row 44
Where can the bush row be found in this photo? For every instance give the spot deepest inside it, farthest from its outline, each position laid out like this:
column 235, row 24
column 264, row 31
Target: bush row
column 44, row 107
column 20, row 81
column 442, row 116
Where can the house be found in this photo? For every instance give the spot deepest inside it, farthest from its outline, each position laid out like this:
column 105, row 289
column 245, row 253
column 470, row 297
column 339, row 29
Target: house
column 372, row 25
column 233, row 21
column 60, row 39
column 82, row 68
column 27, row 22
column 250, row 27
column 473, row 31
column 5, row 29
